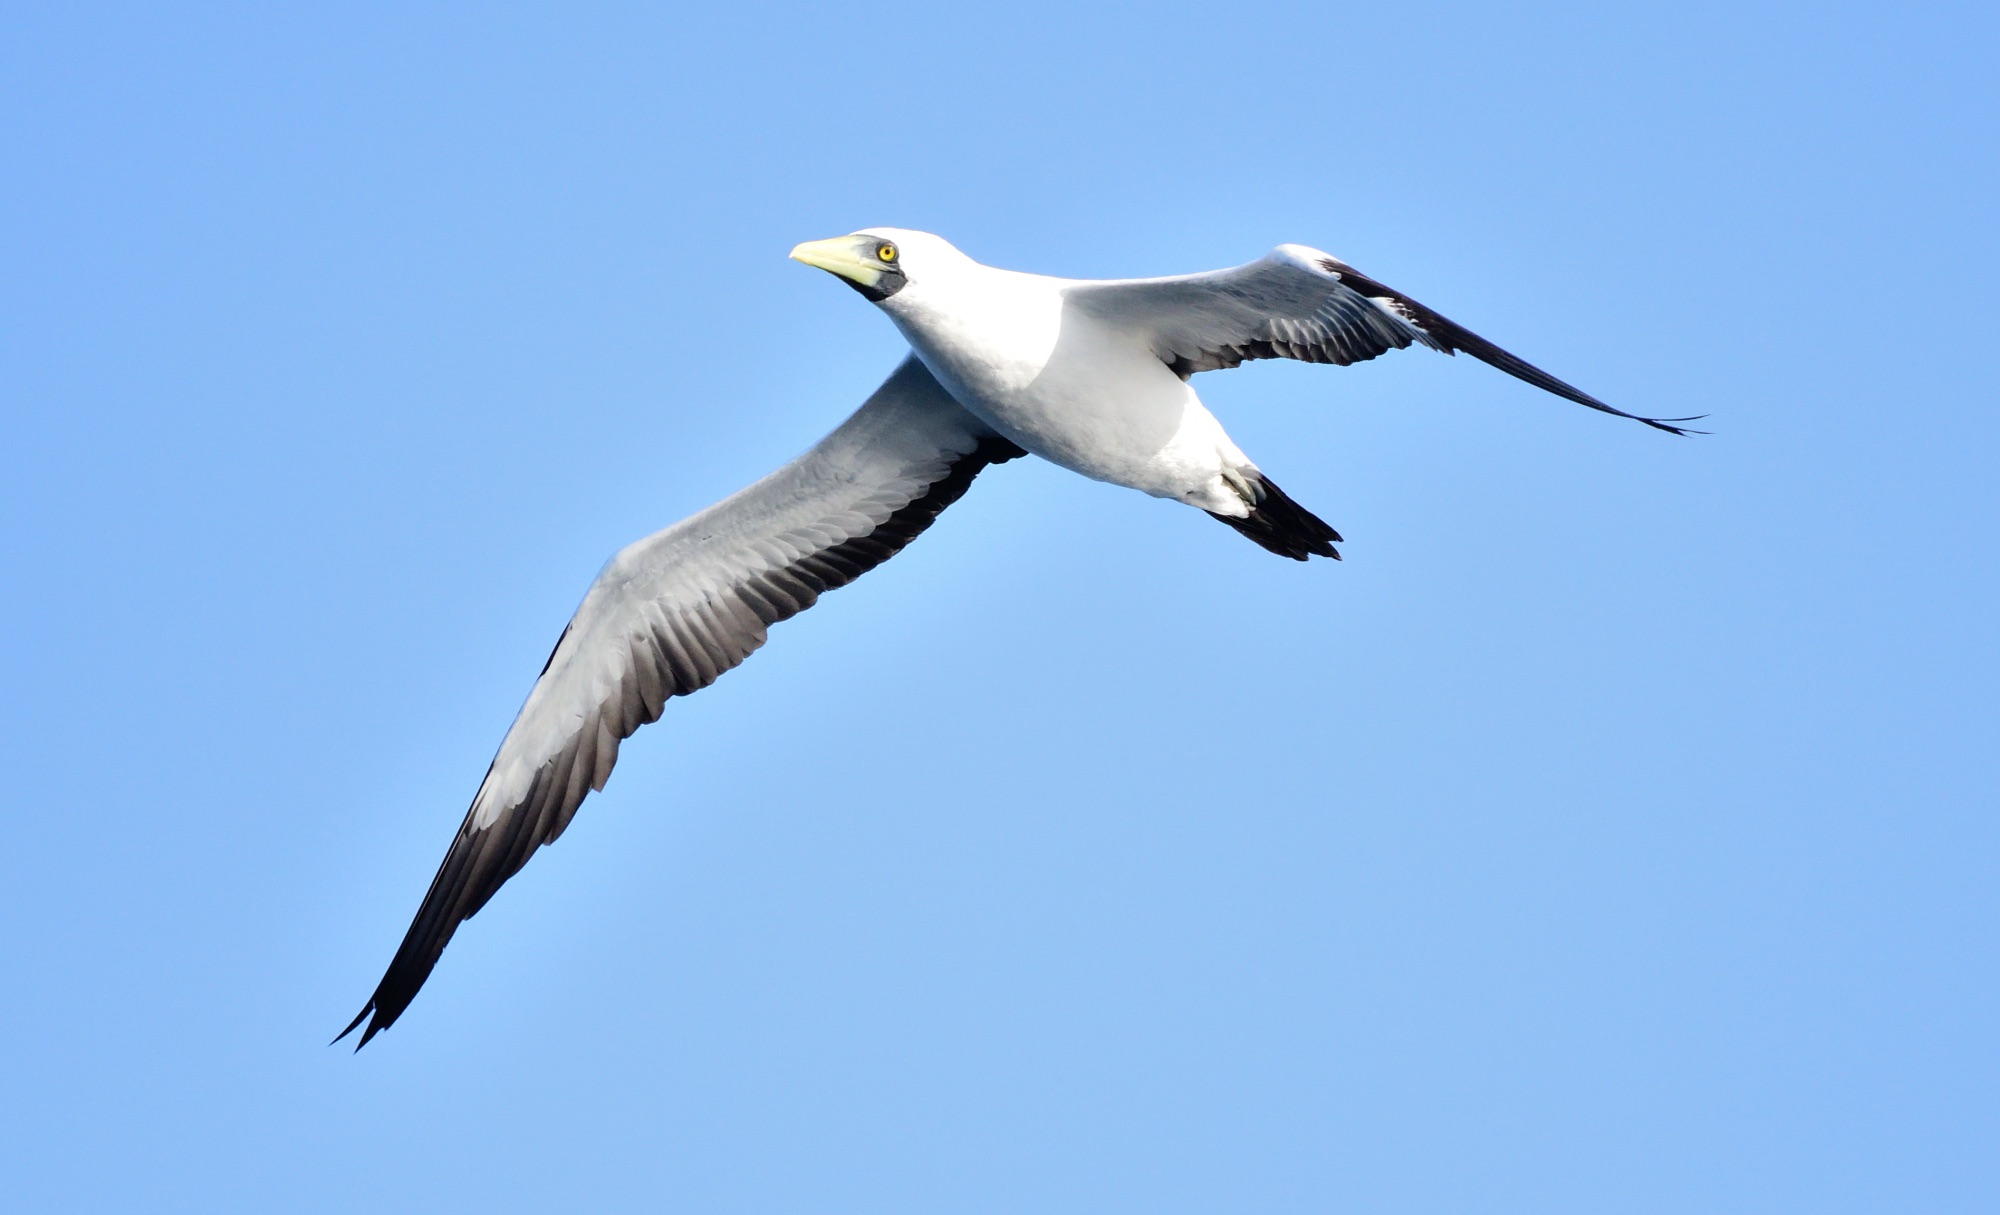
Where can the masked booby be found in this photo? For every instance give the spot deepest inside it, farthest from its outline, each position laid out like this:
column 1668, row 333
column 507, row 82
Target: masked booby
column 1091, row 375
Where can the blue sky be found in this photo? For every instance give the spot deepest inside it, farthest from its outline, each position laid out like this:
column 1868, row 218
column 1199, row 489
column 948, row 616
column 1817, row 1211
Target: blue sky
column 1613, row 830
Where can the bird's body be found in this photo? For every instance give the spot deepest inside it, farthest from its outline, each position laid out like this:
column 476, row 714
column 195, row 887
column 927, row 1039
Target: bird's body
column 1090, row 375
column 1062, row 382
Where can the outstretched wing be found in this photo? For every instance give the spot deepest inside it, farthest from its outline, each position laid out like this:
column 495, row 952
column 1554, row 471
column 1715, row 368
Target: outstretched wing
column 674, row 611
column 1298, row 303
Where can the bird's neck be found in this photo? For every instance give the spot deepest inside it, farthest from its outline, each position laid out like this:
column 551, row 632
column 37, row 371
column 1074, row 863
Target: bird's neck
column 982, row 330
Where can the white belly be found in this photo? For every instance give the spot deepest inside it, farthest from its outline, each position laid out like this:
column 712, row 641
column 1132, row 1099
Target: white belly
column 1093, row 401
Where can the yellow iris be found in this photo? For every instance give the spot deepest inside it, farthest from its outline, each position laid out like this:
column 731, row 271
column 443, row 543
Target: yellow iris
column 887, row 253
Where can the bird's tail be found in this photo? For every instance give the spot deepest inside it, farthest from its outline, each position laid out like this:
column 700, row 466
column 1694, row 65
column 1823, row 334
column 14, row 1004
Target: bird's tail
column 1281, row 525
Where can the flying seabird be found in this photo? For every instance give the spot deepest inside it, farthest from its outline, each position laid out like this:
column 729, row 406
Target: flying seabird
column 1092, row 375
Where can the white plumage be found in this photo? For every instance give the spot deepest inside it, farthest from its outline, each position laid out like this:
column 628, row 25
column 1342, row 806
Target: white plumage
column 1091, row 375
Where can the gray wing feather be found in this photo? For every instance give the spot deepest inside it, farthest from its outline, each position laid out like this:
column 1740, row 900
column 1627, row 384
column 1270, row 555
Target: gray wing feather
column 673, row 612
column 1299, row 303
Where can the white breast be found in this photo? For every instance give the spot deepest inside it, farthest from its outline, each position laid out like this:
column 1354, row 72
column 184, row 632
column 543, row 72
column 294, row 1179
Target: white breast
column 1060, row 383
column 986, row 332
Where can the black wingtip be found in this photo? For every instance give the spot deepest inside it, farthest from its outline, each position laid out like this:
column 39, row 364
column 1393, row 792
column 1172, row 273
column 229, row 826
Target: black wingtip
column 1668, row 424
column 356, row 1024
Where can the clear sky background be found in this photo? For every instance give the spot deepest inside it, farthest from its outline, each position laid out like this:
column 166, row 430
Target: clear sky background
column 1614, row 830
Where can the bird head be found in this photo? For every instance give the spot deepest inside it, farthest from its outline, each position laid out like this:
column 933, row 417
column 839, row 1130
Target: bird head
column 879, row 262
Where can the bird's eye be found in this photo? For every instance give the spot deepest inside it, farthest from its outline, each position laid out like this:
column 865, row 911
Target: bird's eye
column 886, row 253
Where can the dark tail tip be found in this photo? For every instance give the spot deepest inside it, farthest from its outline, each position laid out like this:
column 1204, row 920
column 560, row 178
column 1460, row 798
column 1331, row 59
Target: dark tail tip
column 1282, row 526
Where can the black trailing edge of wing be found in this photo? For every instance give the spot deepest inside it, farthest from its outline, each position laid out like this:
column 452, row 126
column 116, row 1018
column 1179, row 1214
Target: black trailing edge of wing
column 1452, row 337
column 483, row 858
